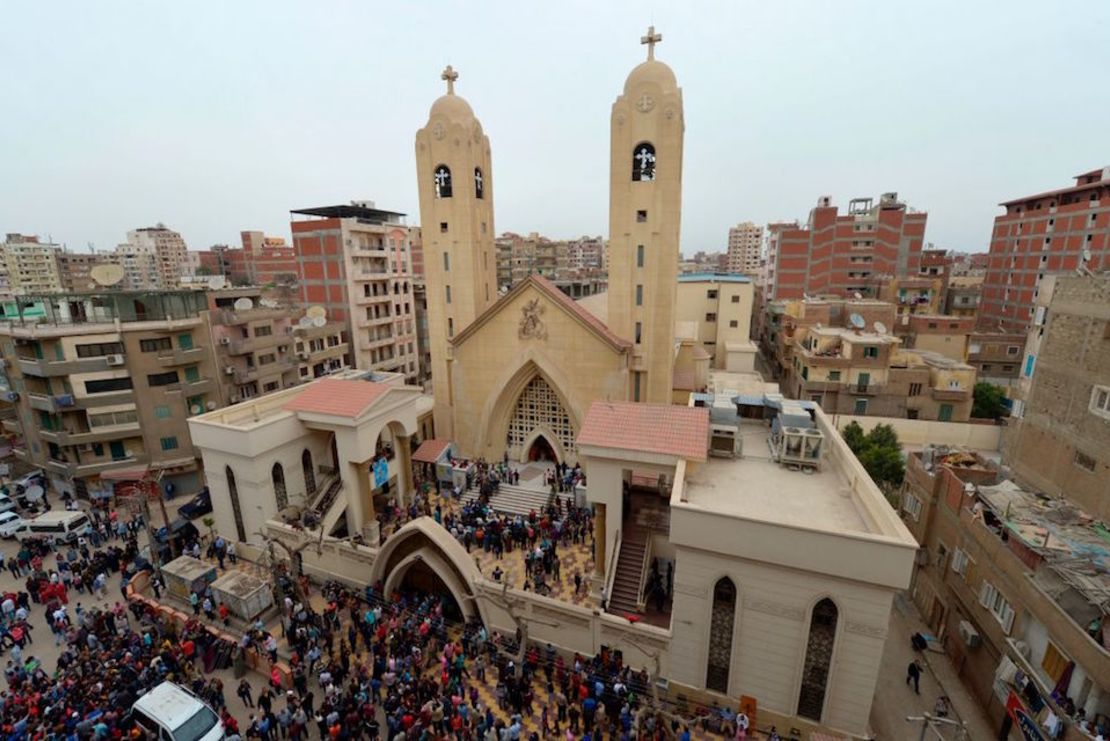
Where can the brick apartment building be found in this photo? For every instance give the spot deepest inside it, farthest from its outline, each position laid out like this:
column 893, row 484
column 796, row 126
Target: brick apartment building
column 837, row 254
column 1058, row 231
column 355, row 261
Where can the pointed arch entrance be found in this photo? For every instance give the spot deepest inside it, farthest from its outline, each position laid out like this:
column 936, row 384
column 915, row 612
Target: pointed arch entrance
column 540, row 427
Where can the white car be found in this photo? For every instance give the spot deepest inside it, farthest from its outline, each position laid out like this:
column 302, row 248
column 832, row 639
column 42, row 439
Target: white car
column 7, row 504
column 10, row 522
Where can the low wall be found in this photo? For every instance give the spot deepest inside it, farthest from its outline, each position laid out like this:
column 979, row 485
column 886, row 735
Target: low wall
column 920, row 432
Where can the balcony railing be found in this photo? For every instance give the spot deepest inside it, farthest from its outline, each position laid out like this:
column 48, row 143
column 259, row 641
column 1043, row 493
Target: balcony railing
column 947, row 394
column 52, row 368
column 180, row 357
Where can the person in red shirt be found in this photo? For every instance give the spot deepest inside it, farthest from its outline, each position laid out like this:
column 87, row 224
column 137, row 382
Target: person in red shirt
column 224, row 614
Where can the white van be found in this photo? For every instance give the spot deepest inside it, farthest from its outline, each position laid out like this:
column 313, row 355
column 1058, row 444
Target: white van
column 171, row 712
column 60, row 526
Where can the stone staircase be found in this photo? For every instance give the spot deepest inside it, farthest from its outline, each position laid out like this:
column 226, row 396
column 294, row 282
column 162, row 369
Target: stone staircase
column 629, row 576
column 513, row 500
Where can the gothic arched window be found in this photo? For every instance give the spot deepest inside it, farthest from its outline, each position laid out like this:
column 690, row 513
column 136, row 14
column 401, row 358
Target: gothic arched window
column 479, row 183
column 720, row 635
column 643, row 161
column 309, row 474
column 443, row 181
column 277, row 474
column 236, row 510
column 819, row 651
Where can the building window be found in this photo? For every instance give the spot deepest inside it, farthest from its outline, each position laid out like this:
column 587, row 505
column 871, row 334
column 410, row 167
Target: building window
column 735, row 299
column 162, row 379
column 722, row 616
column 1100, row 401
column 264, row 330
column 636, row 380
column 105, row 385
column 236, row 509
column 711, row 293
column 818, row 661
column 281, row 496
column 169, row 443
column 860, row 407
column 1054, row 661
column 185, row 341
column 99, row 350
column 448, row 293
column 1013, row 350
column 639, row 295
column 960, row 562
column 442, row 181
column 450, row 327
column 710, row 317
column 443, row 227
column 915, row 389
column 641, row 216
column 805, row 372
column 638, row 329
column 834, row 375
column 446, row 262
column 911, row 505
column 643, row 162
column 155, row 345
column 1084, row 461
column 999, row 606
column 733, row 323
column 639, row 255
column 161, row 411
column 192, row 373
column 870, row 352
column 266, row 359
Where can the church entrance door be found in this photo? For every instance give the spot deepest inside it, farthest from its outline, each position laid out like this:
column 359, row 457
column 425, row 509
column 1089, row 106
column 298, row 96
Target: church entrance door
column 541, row 450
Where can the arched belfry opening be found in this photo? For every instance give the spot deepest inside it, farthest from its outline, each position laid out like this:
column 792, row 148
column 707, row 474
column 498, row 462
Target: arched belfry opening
column 643, row 162
column 819, row 652
column 443, row 181
column 479, row 183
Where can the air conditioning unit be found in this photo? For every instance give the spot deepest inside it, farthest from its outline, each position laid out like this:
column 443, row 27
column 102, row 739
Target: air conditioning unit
column 969, row 635
column 225, row 340
column 229, row 370
column 114, row 359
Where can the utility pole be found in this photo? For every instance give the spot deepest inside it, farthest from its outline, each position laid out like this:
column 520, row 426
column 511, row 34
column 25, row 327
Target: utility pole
column 933, row 722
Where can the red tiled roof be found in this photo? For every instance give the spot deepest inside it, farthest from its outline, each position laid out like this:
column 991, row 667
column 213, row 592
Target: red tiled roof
column 339, row 397
column 650, row 428
column 700, row 353
column 430, row 450
column 549, row 289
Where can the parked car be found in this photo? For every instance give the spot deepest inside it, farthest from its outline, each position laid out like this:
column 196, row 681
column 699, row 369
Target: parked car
column 32, row 478
column 10, row 523
column 172, row 712
column 7, row 504
column 58, row 527
column 199, row 505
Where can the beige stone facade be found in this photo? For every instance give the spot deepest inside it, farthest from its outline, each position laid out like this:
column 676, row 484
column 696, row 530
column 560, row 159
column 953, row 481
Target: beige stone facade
column 715, row 310
column 745, row 248
column 29, row 266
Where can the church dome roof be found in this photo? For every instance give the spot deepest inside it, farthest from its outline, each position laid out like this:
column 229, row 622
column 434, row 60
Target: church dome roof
column 651, row 71
column 453, row 108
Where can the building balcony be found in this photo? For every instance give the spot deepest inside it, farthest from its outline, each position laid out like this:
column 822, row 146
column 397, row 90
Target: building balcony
column 180, row 357
column 248, row 375
column 230, row 317
column 192, row 388
column 951, row 394
column 870, row 389
column 50, row 404
column 376, row 299
column 115, row 432
column 381, row 342
column 21, row 453
column 54, row 368
column 376, row 321
column 821, row 386
column 12, row 425
column 249, row 345
column 112, row 398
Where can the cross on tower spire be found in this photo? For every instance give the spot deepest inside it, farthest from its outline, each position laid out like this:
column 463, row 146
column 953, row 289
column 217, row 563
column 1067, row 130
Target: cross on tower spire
column 450, row 75
column 651, row 40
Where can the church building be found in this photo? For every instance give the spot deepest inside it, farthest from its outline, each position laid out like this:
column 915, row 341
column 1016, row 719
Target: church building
column 738, row 551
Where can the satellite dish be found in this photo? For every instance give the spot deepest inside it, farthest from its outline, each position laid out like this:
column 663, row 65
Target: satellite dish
column 305, row 322
column 106, row 275
column 268, row 303
column 818, row 325
column 857, row 295
column 211, row 405
column 880, row 328
column 314, row 312
column 243, row 304
column 33, row 493
column 196, row 409
column 319, row 321
column 216, row 282
column 857, row 321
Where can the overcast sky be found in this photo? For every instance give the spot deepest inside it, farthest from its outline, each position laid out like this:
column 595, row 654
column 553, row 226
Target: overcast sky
column 215, row 117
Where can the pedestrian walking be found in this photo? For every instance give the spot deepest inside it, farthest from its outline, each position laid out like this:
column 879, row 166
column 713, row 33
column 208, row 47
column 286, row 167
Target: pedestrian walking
column 913, row 674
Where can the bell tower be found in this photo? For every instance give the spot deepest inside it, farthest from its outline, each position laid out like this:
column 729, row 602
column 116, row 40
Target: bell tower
column 645, row 205
column 455, row 179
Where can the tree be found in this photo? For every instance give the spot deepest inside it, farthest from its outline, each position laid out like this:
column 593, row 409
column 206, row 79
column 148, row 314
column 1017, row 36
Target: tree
column 880, row 453
column 988, row 401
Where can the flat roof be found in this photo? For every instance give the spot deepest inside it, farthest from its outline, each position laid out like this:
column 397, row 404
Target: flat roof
column 714, row 278
column 347, row 211
column 756, row 487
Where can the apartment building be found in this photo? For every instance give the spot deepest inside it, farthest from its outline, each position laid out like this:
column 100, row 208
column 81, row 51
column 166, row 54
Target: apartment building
column 586, row 256
column 997, row 356
column 260, row 261
column 963, row 295
column 519, row 256
column 837, row 254
column 75, row 269
column 1055, row 232
column 745, row 248
column 355, row 261
column 153, row 257
column 715, row 310
column 103, row 382
column 262, row 345
column 910, row 294
column 29, row 266
column 945, row 335
column 1015, row 586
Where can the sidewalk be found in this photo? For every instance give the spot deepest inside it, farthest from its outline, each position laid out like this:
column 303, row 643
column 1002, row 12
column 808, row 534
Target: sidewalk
column 894, row 699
